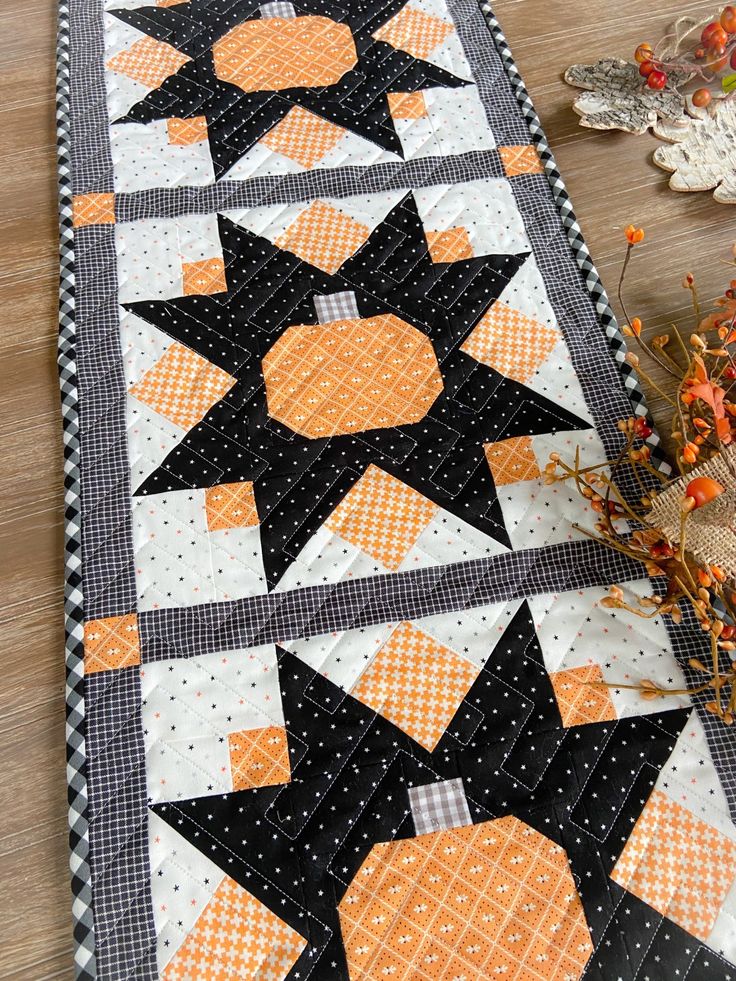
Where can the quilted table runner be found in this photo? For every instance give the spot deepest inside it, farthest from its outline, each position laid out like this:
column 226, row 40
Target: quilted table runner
column 326, row 312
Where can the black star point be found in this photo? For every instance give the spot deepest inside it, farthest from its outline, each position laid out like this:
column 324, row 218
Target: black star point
column 441, row 456
column 351, row 770
column 236, row 120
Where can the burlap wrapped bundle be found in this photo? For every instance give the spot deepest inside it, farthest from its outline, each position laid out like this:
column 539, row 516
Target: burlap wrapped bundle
column 711, row 529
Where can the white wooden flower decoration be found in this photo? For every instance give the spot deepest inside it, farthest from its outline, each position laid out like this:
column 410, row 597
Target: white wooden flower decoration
column 704, row 157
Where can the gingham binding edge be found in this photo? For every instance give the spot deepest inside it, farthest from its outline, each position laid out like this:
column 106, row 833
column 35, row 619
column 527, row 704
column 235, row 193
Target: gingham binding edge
column 82, row 915
column 575, row 237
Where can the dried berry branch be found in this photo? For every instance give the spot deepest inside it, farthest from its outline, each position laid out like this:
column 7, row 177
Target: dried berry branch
column 682, row 531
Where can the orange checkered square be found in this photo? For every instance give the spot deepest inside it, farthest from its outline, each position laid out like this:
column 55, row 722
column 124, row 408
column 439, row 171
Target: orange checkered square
column 111, row 643
column 303, row 136
column 184, row 132
column 520, row 160
column 204, row 277
column 452, row 245
column 182, row 386
column 259, row 757
column 148, row 61
column 678, row 864
column 407, row 105
column 436, row 917
column 323, row 236
column 93, row 209
column 512, row 460
column 382, row 516
column 235, row 936
column 509, row 341
column 231, row 506
column 415, row 32
column 416, row 683
column 579, row 699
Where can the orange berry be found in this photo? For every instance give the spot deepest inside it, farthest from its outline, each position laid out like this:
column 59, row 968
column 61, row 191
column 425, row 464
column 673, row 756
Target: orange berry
column 690, row 453
column 717, row 39
column 643, row 53
column 717, row 60
column 701, row 98
column 656, row 80
column 728, row 20
column 708, row 31
column 703, row 489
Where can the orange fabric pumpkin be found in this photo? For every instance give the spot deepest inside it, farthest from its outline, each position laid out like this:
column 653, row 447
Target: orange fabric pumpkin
column 285, row 53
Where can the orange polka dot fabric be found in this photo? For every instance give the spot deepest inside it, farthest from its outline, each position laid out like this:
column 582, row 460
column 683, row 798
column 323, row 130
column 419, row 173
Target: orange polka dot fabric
column 582, row 696
column 259, row 757
column 350, row 376
column 277, row 53
column 111, row 643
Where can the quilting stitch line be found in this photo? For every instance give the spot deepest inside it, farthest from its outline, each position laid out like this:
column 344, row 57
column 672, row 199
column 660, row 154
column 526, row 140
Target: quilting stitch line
column 527, row 136
column 315, row 610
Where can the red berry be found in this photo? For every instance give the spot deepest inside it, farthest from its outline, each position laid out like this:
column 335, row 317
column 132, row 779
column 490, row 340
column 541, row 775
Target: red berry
column 733, row 59
column 728, row 19
column 656, row 79
column 703, row 490
column 718, row 39
column 646, row 68
column 729, row 372
column 701, row 98
column 708, row 30
column 728, row 632
column 644, row 53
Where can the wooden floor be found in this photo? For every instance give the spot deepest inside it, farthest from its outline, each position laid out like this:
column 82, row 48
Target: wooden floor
column 612, row 183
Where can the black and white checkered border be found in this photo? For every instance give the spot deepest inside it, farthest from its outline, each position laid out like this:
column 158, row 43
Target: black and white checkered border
column 574, row 233
column 84, row 937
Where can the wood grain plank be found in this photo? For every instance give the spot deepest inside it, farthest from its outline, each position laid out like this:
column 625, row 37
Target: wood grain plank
column 611, row 180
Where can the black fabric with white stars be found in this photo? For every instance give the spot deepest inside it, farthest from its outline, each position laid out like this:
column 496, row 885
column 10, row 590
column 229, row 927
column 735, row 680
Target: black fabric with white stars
column 236, row 120
column 299, row 481
column 297, row 847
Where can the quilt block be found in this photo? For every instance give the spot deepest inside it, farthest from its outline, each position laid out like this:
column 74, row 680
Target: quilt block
column 343, row 702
